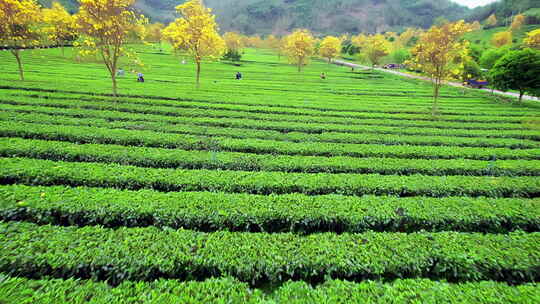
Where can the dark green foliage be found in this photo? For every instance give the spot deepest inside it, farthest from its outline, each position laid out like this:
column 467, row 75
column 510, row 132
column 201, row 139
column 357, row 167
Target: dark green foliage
column 518, row 70
column 471, row 71
column 491, row 56
column 400, row 56
column 232, row 56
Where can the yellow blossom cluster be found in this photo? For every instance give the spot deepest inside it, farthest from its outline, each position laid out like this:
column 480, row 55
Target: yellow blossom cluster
column 299, row 47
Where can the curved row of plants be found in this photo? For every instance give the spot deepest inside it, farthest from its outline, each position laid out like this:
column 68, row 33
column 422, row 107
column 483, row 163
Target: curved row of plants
column 208, row 211
column 46, row 172
column 122, row 254
column 296, row 137
column 367, row 106
column 230, row 290
column 257, row 125
column 218, row 113
column 95, row 135
column 212, row 160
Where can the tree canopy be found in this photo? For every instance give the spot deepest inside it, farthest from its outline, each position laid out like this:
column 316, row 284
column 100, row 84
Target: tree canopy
column 518, row 70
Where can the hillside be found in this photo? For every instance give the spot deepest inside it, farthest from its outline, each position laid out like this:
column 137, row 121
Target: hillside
column 483, row 38
column 322, row 16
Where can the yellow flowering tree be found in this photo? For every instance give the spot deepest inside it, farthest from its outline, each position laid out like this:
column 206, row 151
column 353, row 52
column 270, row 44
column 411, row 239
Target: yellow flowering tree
column 359, row 40
column 154, row 33
column 330, row 48
column 517, row 23
column 501, row 39
column 272, row 42
column 256, row 42
column 405, row 37
column 375, row 48
column 107, row 26
column 441, row 53
column 476, row 26
column 19, row 27
column 533, row 39
column 233, row 41
column 196, row 32
column 299, row 47
column 59, row 25
column 491, row 20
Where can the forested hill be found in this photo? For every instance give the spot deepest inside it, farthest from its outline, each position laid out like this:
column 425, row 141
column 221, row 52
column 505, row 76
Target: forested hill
column 324, row 16
column 321, row 16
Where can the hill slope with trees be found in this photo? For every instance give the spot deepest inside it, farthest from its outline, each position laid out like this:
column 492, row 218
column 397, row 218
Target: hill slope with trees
column 321, row 16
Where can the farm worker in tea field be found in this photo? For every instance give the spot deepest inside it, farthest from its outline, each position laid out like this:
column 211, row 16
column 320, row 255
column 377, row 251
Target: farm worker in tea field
column 120, row 72
column 140, row 77
column 323, row 76
column 238, row 76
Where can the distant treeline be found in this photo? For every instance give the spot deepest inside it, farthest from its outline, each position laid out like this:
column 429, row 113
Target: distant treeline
column 279, row 17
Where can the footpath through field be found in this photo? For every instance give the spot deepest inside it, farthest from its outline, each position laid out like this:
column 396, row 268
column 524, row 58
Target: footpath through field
column 454, row 84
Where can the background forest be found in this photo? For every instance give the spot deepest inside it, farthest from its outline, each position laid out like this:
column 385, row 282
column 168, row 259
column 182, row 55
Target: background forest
column 279, row 17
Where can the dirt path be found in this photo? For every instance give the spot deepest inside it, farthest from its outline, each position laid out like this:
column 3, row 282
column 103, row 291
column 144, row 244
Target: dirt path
column 454, row 84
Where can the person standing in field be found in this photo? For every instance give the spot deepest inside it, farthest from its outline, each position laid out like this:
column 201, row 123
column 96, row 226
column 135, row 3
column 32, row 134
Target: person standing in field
column 238, row 76
column 323, row 76
column 140, row 77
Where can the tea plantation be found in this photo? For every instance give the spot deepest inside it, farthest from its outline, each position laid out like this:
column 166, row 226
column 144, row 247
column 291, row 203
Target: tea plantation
column 278, row 188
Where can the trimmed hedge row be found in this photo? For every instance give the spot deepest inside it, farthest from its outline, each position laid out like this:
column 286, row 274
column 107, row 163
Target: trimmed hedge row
column 207, row 211
column 230, row 290
column 196, row 112
column 45, row 172
column 382, row 122
column 150, row 253
column 82, row 134
column 174, row 158
column 479, row 103
column 293, row 131
column 365, row 107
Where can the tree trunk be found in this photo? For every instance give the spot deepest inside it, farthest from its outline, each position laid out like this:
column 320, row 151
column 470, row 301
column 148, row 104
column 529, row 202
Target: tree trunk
column 17, row 55
column 198, row 73
column 114, row 86
column 521, row 93
column 436, row 88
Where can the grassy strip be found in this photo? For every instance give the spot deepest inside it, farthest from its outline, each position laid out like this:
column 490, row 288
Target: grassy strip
column 174, row 158
column 318, row 132
column 45, row 172
column 82, row 134
column 150, row 253
column 217, row 113
column 207, row 211
column 229, row 290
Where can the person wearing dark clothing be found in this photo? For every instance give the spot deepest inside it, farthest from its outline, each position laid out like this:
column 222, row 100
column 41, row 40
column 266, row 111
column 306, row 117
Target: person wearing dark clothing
column 238, row 76
column 140, row 77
